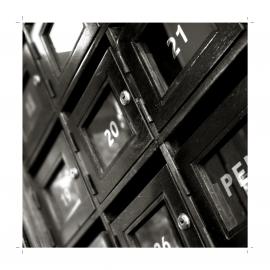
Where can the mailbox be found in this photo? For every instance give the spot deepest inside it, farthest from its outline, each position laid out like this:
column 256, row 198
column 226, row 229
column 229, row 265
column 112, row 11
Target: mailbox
column 107, row 127
column 169, row 60
column 63, row 191
column 37, row 111
column 215, row 169
column 61, row 48
column 157, row 218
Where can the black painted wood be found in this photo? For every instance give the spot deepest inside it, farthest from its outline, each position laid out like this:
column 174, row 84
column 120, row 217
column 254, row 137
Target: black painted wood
column 162, row 108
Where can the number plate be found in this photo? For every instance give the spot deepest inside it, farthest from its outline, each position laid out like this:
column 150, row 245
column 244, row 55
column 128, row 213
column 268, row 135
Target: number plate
column 172, row 45
column 66, row 194
column 226, row 179
column 109, row 130
column 158, row 231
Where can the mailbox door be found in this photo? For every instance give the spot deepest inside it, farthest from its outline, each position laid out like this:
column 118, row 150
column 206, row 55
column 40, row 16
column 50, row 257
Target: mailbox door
column 37, row 112
column 157, row 218
column 169, row 60
column 64, row 192
column 110, row 135
column 213, row 162
column 61, row 47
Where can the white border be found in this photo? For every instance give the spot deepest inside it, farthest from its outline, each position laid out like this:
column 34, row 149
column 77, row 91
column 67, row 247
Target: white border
column 255, row 12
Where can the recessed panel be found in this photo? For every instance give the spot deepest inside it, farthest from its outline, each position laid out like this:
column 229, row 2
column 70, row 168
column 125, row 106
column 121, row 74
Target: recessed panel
column 31, row 110
column 170, row 46
column 62, row 38
column 109, row 131
column 158, row 231
column 66, row 199
column 227, row 180
column 65, row 193
column 37, row 113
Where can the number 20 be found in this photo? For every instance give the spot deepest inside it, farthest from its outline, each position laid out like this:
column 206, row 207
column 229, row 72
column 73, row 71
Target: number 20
column 111, row 133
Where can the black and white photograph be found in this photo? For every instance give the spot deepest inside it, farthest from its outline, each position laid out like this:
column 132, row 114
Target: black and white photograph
column 135, row 135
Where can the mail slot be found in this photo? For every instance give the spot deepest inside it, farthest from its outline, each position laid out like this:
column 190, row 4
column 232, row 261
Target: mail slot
column 101, row 241
column 154, row 218
column 61, row 48
column 107, row 127
column 37, row 112
column 64, row 192
column 169, row 60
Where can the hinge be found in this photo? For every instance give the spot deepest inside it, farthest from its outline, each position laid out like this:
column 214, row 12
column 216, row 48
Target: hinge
column 35, row 51
column 170, row 161
column 117, row 241
column 73, row 143
column 50, row 89
column 50, row 238
column 36, row 199
column 64, row 120
column 123, row 62
column 92, row 187
column 145, row 111
column 106, row 219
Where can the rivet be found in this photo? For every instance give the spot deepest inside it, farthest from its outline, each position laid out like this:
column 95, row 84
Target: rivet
column 36, row 80
column 125, row 97
column 74, row 173
column 183, row 221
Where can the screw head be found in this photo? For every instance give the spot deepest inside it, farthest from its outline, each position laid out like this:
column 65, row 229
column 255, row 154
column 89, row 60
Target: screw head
column 36, row 80
column 74, row 173
column 125, row 97
column 183, row 221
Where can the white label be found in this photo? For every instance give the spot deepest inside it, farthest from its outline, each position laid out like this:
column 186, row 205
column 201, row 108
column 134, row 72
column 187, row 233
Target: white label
column 164, row 244
column 111, row 133
column 239, row 173
column 171, row 40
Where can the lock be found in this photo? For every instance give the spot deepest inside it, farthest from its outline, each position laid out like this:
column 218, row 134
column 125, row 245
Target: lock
column 74, row 173
column 183, row 221
column 124, row 97
column 36, row 80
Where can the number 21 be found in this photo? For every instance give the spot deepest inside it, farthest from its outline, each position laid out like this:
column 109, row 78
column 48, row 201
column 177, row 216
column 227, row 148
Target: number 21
column 171, row 40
